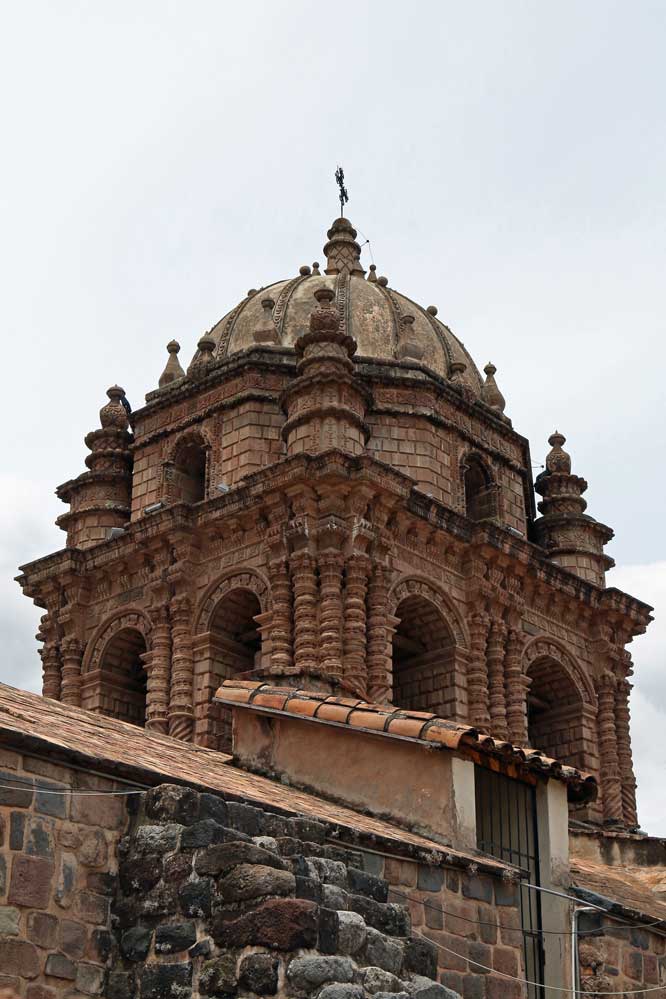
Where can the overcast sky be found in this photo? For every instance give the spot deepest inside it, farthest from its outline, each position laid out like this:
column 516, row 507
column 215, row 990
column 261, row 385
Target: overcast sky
column 506, row 160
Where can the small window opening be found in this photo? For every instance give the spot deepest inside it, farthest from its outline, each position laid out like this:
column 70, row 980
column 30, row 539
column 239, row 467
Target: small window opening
column 480, row 491
column 189, row 474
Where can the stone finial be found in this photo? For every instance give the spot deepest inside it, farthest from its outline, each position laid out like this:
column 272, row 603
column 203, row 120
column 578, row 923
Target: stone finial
column 114, row 414
column 315, row 268
column 343, row 254
column 490, row 393
column 203, row 357
column 372, row 276
column 325, row 318
column 383, row 281
column 557, row 460
column 265, row 331
column 173, row 370
column 408, row 347
column 456, row 371
column 432, row 310
column 304, row 270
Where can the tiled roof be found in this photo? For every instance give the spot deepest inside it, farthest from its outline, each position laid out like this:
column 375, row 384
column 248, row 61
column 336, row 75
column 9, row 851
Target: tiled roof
column 416, row 726
column 632, row 888
column 36, row 724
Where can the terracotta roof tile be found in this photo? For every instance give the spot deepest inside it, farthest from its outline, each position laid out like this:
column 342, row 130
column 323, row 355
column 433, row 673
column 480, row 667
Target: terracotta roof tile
column 386, row 720
column 30, row 722
column 632, row 887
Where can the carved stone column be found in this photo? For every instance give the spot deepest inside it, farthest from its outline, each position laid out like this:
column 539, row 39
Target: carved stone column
column 495, row 662
column 158, row 669
column 51, row 671
column 330, row 614
column 515, row 685
column 354, row 628
column 611, row 791
column 305, row 612
column 72, row 654
column 625, row 764
column 181, row 710
column 477, row 676
column 379, row 632
column 282, row 628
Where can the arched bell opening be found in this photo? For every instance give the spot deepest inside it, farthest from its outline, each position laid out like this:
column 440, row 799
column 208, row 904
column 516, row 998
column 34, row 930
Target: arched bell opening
column 123, row 679
column 232, row 649
column 188, row 472
column 555, row 713
column 423, row 658
column 480, row 490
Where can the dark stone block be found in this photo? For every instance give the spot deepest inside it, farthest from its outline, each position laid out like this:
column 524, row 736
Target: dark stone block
column 222, row 857
column 120, row 985
column 102, row 944
column 328, row 931
column 73, row 939
column 101, row 882
column 15, row 794
column 17, row 823
column 361, row 883
column 246, row 818
column 590, row 923
column 195, row 898
column 40, row 839
column 160, row 901
column 59, row 966
column 506, row 892
column 474, row 987
column 250, row 881
column 275, row 825
column 153, row 840
column 177, row 867
column 372, row 863
column 429, row 878
column 281, row 924
column 480, row 957
column 259, row 974
column 51, row 804
column 201, row 949
column 308, row 888
column 174, row 937
column 421, row 957
column 31, row 882
column 433, row 915
column 164, row 981
column 309, row 830
column 386, row 917
column 453, row 881
column 207, row 831
column 139, row 874
column 475, row 886
column 172, row 803
column 639, row 938
column 213, row 807
column 43, row 929
column 135, row 943
column 218, row 976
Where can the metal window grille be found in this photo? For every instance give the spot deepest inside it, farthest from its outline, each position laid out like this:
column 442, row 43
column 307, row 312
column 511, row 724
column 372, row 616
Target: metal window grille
column 506, row 828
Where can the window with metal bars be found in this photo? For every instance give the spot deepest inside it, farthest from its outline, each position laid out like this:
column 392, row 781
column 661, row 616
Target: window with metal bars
column 506, row 828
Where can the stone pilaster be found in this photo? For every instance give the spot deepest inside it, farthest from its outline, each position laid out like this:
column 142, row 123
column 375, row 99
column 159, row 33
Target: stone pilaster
column 515, row 685
column 330, row 614
column 72, row 655
column 158, row 670
column 625, row 765
column 354, row 627
column 495, row 662
column 51, row 671
column 282, row 625
column 304, row 578
column 611, row 791
column 181, row 710
column 379, row 632
column 477, row 676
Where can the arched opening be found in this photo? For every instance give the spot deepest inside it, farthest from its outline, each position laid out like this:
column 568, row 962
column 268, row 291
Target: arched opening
column 188, row 474
column 480, row 490
column 423, row 653
column 235, row 648
column 555, row 722
column 123, row 677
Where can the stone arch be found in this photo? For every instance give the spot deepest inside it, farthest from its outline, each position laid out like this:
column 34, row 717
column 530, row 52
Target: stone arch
column 115, row 681
column 560, row 705
column 427, row 662
column 479, row 487
column 187, row 467
column 229, row 642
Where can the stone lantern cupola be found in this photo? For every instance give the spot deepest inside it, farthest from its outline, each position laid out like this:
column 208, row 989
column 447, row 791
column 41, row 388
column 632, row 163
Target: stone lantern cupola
column 100, row 498
column 572, row 538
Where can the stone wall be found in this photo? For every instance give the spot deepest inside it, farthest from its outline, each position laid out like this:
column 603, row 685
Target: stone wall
column 58, row 863
column 218, row 898
column 617, row 956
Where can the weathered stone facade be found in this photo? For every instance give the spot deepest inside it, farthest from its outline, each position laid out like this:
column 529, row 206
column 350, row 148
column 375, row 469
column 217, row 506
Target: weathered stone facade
column 333, row 496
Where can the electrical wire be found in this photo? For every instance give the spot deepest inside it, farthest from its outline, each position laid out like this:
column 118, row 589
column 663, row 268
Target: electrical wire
column 70, row 790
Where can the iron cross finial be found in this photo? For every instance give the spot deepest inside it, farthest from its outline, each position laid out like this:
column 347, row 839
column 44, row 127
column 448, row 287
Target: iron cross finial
column 343, row 196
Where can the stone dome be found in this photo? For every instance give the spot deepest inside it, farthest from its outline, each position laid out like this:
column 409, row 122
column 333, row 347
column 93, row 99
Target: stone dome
column 372, row 313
